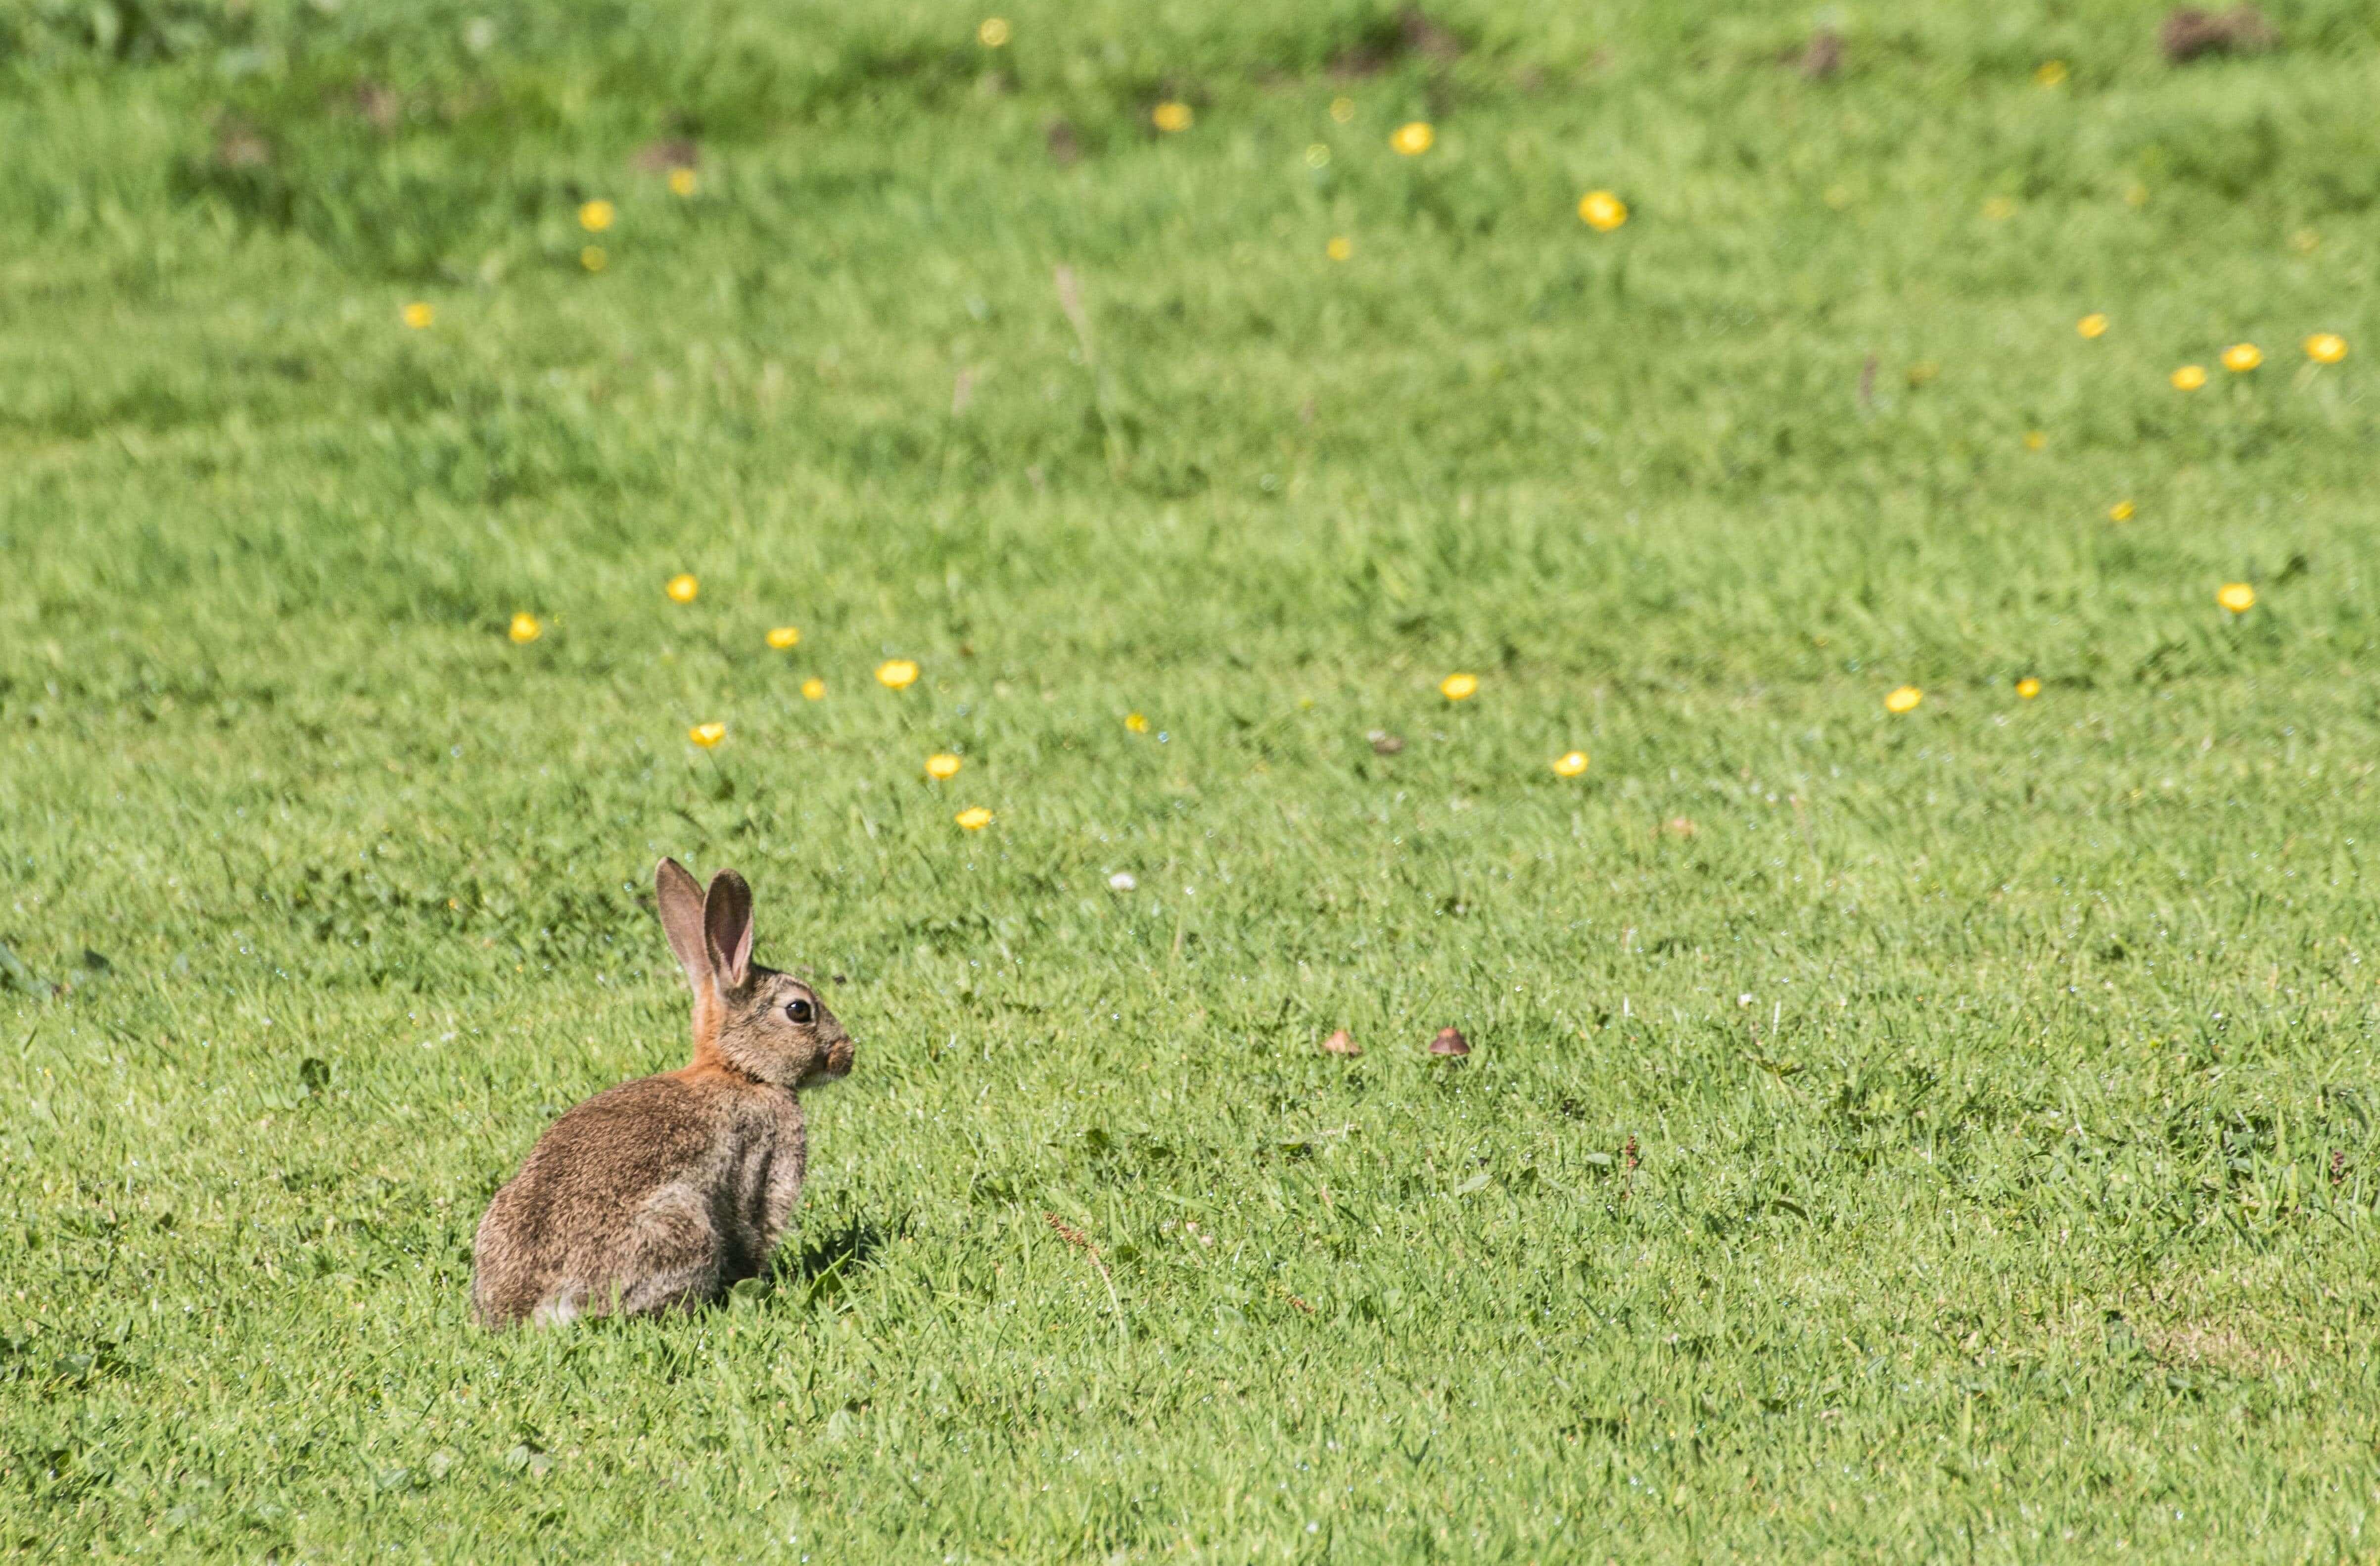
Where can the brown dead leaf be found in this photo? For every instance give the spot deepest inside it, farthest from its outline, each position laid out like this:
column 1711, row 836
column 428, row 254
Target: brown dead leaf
column 380, row 105
column 242, row 146
column 1414, row 33
column 2189, row 32
column 669, row 153
column 1822, row 58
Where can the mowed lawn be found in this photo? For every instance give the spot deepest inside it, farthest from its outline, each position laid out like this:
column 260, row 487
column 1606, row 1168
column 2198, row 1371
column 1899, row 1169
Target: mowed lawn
column 1947, row 1133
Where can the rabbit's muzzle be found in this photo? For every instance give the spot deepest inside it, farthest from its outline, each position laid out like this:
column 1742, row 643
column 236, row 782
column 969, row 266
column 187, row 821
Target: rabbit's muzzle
column 836, row 1061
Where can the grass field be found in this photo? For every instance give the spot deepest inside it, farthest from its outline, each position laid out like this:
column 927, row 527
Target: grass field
column 1937, row 1134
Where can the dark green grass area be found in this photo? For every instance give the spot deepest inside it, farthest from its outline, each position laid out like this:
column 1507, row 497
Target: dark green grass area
column 1947, row 1135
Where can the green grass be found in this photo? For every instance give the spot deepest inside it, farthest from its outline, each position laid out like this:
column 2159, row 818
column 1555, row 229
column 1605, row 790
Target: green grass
column 2001, row 1074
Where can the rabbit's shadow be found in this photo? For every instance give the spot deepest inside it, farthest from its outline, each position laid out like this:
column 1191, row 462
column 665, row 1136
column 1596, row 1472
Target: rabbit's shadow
column 827, row 1263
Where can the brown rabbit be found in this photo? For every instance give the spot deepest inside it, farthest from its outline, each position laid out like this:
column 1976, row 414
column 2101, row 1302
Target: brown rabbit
column 659, row 1194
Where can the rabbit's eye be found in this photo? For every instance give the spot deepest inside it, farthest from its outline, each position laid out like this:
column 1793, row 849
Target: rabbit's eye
column 798, row 1011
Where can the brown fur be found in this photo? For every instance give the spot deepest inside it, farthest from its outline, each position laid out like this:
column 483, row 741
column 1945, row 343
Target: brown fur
column 659, row 1194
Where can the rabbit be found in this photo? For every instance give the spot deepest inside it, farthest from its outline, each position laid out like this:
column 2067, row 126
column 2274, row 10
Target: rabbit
column 659, row 1194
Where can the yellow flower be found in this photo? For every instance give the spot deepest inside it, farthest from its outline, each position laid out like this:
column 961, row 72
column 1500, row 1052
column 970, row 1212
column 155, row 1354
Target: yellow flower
column 596, row 216
column 1136, row 721
column 419, row 315
column 2093, row 325
column 941, row 765
column 682, row 181
column 2188, row 377
column 2034, row 440
column 2241, row 357
column 707, row 734
column 1340, row 248
column 525, row 628
column 2028, row 687
column 2121, row 511
column 682, row 588
column 1413, row 137
column 1570, row 765
column 1342, row 109
column 2326, row 347
column 1903, row 698
column 975, row 817
column 814, row 690
column 1602, row 211
column 1459, row 687
column 784, row 637
column 2237, row 597
column 896, row 673
column 1170, row 117
column 994, row 32
column 2050, row 74
column 1999, row 208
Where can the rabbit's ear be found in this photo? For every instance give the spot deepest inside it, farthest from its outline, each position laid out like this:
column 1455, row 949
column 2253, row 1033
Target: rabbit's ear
column 727, row 922
column 680, row 896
